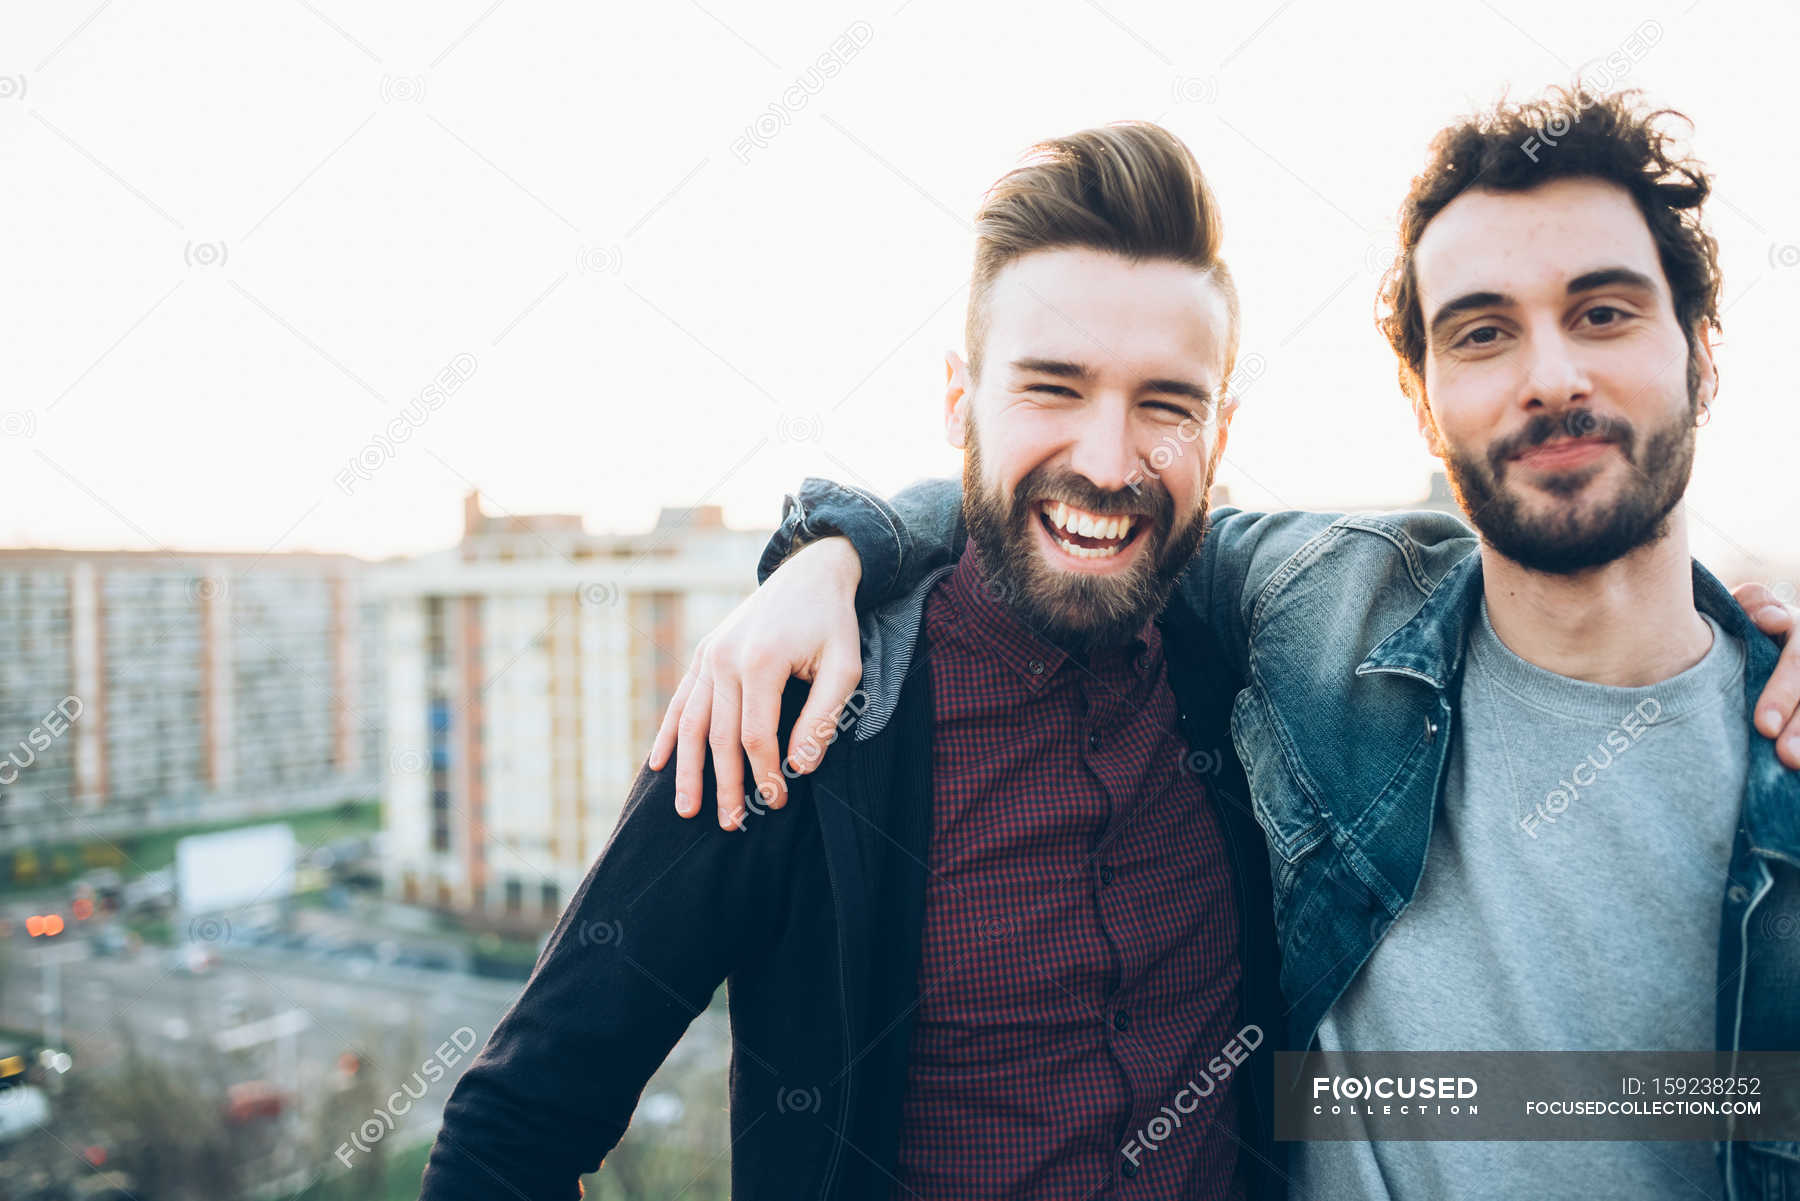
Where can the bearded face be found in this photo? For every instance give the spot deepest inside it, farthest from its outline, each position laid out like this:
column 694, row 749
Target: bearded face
column 1583, row 531
column 1078, row 609
column 1553, row 387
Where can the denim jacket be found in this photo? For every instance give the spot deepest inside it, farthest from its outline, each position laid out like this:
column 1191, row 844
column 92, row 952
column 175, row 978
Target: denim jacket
column 1346, row 635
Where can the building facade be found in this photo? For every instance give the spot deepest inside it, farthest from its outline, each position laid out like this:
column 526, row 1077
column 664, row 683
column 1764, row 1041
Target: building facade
column 527, row 670
column 143, row 691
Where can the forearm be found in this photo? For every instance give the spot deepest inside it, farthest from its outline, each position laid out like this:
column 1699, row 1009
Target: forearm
column 899, row 542
column 668, row 910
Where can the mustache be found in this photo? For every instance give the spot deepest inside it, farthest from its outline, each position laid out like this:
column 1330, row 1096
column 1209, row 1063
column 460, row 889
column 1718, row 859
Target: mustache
column 1146, row 499
column 1574, row 423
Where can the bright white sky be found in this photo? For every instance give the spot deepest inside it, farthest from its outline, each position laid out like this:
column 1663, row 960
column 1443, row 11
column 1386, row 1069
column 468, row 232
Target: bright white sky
column 562, row 191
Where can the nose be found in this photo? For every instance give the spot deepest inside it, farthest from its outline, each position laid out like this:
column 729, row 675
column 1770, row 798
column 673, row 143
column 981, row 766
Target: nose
column 1555, row 375
column 1104, row 450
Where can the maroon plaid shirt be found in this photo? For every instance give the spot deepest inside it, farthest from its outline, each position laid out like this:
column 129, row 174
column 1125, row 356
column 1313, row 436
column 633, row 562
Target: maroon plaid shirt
column 1080, row 964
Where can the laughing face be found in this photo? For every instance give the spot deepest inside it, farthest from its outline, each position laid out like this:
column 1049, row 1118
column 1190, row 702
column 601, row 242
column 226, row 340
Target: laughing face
column 1096, row 367
column 1561, row 390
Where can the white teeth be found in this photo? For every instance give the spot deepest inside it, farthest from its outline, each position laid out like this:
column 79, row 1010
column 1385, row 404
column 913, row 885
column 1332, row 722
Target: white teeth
column 1087, row 525
column 1088, row 552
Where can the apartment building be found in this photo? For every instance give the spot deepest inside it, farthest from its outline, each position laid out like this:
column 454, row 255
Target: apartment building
column 526, row 671
column 143, row 690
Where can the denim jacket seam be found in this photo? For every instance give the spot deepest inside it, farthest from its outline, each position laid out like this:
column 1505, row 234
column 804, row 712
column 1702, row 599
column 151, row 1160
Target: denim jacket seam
column 1319, row 828
column 1771, row 853
column 1405, row 543
column 1743, row 980
column 1308, row 552
column 881, row 507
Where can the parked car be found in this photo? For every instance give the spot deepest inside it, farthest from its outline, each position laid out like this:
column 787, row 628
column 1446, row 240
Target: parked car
column 251, row 1100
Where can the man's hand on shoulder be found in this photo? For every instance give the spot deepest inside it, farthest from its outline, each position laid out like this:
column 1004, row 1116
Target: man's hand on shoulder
column 1778, row 708
column 800, row 623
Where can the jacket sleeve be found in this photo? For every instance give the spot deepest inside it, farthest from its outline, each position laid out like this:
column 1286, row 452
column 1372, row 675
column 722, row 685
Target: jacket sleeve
column 899, row 543
column 669, row 909
column 921, row 530
column 1244, row 552
column 1238, row 557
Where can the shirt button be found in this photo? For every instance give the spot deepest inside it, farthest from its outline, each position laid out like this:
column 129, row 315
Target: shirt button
column 1121, row 1020
column 1128, row 1170
column 1036, row 667
column 1106, row 873
column 1093, row 740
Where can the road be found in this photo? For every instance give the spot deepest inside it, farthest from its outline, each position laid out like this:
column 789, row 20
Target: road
column 393, row 1018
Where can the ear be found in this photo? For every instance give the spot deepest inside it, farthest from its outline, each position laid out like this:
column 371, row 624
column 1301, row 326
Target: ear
column 1427, row 423
column 1227, row 405
column 959, row 395
column 1708, row 387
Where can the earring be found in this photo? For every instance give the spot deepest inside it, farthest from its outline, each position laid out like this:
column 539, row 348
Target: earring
column 1705, row 415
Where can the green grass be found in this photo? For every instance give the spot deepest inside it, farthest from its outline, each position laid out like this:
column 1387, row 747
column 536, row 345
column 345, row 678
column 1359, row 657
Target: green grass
column 155, row 931
column 134, row 856
column 152, row 852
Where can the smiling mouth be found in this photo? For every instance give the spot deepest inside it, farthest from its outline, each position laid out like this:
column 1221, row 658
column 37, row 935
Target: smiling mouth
column 1089, row 535
column 1560, row 451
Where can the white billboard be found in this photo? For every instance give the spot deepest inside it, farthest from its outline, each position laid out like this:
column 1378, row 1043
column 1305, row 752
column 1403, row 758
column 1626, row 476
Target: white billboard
column 234, row 868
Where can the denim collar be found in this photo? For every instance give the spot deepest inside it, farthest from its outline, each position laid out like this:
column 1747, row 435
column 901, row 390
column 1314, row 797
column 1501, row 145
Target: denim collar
column 1430, row 648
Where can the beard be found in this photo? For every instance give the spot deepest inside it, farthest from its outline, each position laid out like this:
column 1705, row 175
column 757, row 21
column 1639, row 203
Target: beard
column 1578, row 537
column 1077, row 610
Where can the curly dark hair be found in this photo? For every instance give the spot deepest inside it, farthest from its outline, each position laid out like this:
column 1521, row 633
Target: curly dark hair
column 1568, row 133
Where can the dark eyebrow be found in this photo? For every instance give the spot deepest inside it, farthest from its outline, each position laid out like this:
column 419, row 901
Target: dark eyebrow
column 1063, row 369
column 1060, row 368
column 1604, row 277
column 1608, row 277
column 1465, row 302
column 1179, row 387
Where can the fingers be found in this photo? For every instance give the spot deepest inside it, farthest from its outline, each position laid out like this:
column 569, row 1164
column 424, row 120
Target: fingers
column 763, row 685
column 840, row 670
column 728, row 759
column 1778, row 708
column 1774, row 619
column 690, row 750
column 671, row 720
column 1752, row 598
